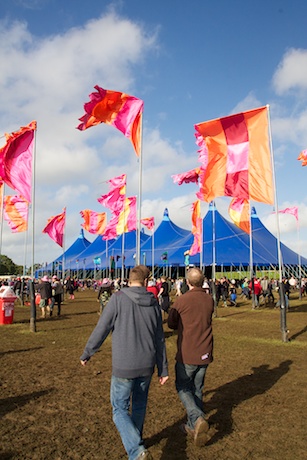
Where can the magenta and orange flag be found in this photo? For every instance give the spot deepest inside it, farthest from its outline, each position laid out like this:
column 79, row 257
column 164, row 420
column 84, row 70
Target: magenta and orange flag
column 16, row 160
column 55, row 228
column 114, row 199
column 236, row 157
column 148, row 222
column 114, row 108
column 15, row 212
column 239, row 212
column 196, row 228
column 122, row 221
column 303, row 157
column 94, row 222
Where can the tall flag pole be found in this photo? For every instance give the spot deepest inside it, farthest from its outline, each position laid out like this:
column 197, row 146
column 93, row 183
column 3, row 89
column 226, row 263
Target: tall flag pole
column 283, row 310
column 1, row 211
column 149, row 223
column 139, row 201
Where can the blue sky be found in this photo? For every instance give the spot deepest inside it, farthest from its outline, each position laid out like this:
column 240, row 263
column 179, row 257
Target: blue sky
column 190, row 61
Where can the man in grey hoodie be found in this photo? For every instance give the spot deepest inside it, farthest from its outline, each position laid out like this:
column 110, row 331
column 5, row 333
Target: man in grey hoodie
column 133, row 316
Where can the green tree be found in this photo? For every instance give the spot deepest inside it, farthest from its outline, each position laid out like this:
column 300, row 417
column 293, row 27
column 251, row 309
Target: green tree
column 7, row 266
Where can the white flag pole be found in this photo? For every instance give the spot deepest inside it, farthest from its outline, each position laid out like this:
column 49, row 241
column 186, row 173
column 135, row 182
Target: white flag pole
column 139, row 201
column 283, row 315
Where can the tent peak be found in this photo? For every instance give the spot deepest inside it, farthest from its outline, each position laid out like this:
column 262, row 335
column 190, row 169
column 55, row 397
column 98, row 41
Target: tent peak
column 166, row 215
column 81, row 236
column 253, row 212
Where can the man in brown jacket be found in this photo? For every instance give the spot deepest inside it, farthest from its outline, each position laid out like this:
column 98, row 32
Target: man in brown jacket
column 191, row 314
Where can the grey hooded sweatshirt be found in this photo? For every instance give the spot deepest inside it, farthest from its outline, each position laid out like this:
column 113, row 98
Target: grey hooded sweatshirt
column 133, row 316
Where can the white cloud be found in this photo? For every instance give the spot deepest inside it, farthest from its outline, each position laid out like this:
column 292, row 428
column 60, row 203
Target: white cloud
column 291, row 72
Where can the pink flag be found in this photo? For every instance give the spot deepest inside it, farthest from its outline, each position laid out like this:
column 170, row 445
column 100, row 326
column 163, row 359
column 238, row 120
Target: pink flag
column 187, row 177
column 114, row 200
column 94, row 222
column 16, row 160
column 120, row 110
column 196, row 228
column 55, row 228
column 122, row 222
column 118, row 182
column 15, row 212
column 148, row 222
column 293, row 211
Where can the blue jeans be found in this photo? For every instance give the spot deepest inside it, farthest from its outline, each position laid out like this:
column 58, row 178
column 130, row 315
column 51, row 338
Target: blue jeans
column 190, row 380
column 130, row 423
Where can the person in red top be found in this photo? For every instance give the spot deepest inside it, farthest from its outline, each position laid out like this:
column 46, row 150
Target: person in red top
column 152, row 287
column 257, row 291
column 191, row 315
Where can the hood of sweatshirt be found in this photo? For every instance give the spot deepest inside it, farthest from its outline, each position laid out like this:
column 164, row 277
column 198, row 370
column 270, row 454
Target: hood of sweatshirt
column 140, row 296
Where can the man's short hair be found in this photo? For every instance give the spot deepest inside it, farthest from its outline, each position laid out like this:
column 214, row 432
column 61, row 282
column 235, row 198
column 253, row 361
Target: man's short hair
column 139, row 274
column 195, row 277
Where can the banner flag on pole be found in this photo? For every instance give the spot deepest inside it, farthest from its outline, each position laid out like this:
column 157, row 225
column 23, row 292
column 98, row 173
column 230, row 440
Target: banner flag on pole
column 55, row 228
column 94, row 222
column 239, row 213
column 196, row 228
column 293, row 211
column 16, row 160
column 118, row 109
column 122, row 222
column 236, row 157
column 303, row 157
column 148, row 222
column 15, row 212
column 114, row 199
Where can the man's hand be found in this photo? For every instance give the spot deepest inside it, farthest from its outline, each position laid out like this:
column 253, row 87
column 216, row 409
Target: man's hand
column 84, row 362
column 163, row 380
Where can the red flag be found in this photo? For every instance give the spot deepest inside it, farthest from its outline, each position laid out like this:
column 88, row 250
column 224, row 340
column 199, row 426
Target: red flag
column 148, row 222
column 239, row 213
column 15, row 212
column 94, row 222
column 55, row 228
column 237, row 155
column 196, row 228
column 120, row 110
column 16, row 160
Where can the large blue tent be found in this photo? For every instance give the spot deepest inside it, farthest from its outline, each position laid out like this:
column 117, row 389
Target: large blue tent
column 223, row 242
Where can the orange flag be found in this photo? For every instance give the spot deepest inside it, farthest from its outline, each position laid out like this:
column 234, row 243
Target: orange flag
column 196, row 228
column 120, row 110
column 15, row 212
column 239, row 213
column 238, row 160
column 94, row 222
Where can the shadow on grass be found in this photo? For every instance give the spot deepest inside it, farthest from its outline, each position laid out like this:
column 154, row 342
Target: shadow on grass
column 10, row 404
column 176, row 442
column 226, row 397
column 2, row 353
column 293, row 337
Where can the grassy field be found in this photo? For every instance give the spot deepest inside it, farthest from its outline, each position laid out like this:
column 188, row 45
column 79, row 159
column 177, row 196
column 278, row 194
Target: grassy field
column 255, row 393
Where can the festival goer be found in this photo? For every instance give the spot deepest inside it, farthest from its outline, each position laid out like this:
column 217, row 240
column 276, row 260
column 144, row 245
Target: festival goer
column 134, row 317
column 233, row 293
column 57, row 293
column 70, row 288
column 152, row 287
column 44, row 289
column 191, row 315
column 104, row 293
column 164, row 295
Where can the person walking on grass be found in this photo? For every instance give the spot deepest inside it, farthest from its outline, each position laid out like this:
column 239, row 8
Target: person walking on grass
column 191, row 315
column 134, row 317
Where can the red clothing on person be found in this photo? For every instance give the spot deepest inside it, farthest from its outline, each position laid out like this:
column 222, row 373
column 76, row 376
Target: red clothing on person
column 154, row 290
